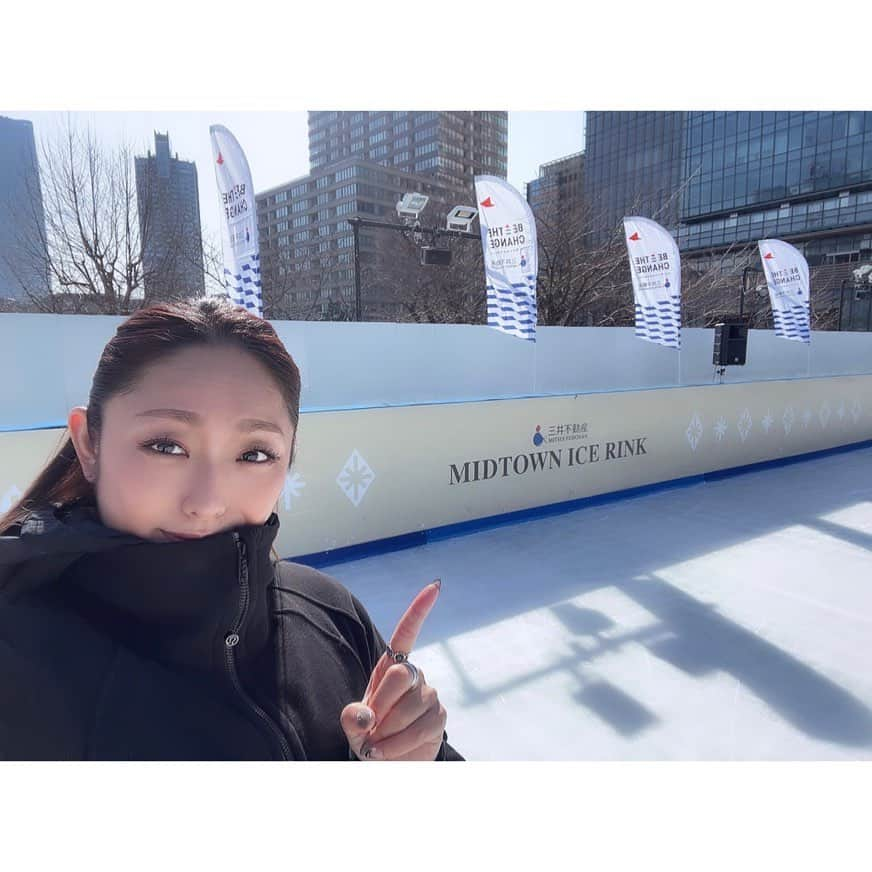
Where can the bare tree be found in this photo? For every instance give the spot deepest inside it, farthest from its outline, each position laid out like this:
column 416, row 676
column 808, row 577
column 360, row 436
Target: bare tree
column 711, row 287
column 579, row 282
column 399, row 287
column 92, row 245
column 584, row 275
column 298, row 290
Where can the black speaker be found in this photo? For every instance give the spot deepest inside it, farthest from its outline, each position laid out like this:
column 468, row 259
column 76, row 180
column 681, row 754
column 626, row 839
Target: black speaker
column 731, row 344
column 432, row 256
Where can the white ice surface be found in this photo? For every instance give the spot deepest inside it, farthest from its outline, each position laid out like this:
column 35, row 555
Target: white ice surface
column 729, row 620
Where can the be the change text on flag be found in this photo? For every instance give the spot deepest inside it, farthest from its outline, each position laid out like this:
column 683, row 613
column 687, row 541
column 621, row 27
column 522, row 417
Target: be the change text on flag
column 786, row 272
column 239, row 220
column 655, row 268
column 508, row 238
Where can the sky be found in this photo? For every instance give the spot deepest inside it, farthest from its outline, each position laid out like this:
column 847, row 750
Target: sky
column 277, row 145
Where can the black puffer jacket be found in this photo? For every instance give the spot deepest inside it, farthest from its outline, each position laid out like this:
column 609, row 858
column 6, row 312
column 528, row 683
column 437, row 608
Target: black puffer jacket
column 113, row 647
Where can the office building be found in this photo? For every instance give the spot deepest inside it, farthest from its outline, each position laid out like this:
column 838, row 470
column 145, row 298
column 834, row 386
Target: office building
column 23, row 257
column 721, row 181
column 559, row 188
column 450, row 147
column 361, row 164
column 169, row 219
column 306, row 242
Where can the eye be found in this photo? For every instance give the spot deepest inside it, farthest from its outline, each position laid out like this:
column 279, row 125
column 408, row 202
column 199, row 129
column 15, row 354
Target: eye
column 157, row 446
column 270, row 456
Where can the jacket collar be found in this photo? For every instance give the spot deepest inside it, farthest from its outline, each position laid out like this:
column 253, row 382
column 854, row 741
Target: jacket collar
column 170, row 601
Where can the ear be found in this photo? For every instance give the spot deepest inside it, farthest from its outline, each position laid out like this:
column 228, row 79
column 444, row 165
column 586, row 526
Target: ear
column 77, row 421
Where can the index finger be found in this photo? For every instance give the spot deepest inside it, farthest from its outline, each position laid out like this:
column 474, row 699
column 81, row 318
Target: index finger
column 406, row 633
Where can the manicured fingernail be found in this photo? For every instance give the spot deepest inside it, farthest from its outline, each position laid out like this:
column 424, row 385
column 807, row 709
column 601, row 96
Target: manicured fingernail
column 372, row 753
column 365, row 718
column 438, row 584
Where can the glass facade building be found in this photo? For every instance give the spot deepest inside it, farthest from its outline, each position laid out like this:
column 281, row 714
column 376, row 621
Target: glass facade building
column 724, row 179
column 632, row 166
column 802, row 176
column 23, row 258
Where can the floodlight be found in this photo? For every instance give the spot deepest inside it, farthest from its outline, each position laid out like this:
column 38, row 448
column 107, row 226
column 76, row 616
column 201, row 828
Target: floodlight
column 461, row 218
column 863, row 274
column 411, row 206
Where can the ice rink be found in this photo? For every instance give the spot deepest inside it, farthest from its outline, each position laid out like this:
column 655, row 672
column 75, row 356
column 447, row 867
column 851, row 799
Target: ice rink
column 726, row 620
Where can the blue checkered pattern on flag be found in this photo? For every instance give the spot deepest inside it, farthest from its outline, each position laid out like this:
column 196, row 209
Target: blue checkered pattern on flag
column 508, row 239
column 655, row 268
column 787, row 277
column 245, row 287
column 239, row 221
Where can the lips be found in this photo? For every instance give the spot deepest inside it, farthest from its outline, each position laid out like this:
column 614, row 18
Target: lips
column 182, row 537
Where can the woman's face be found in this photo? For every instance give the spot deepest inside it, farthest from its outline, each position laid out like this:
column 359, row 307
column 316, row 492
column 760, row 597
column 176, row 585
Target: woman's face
column 218, row 460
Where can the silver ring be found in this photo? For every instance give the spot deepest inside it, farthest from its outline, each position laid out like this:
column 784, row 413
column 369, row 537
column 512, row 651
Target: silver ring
column 397, row 656
column 414, row 670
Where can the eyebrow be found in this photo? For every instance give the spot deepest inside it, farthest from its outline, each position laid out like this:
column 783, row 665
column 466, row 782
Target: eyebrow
column 245, row 425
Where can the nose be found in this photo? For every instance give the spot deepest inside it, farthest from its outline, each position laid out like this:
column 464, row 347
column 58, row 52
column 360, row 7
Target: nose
column 204, row 498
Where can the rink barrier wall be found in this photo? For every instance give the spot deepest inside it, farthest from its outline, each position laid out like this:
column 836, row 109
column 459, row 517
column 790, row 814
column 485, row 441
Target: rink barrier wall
column 383, row 475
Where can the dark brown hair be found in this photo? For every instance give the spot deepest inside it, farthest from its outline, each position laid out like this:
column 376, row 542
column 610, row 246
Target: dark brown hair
column 148, row 336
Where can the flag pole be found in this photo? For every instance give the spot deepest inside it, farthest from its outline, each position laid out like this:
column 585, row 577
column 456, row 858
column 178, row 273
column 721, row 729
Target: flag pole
column 535, row 369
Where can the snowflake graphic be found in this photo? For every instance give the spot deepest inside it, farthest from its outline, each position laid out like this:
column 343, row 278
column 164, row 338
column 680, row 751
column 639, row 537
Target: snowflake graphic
column 8, row 499
column 789, row 418
column 806, row 418
column 841, row 411
column 721, row 428
column 767, row 422
column 824, row 414
column 744, row 424
column 694, row 431
column 355, row 478
column 856, row 411
column 293, row 489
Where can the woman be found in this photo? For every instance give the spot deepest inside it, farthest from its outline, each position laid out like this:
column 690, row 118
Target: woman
column 142, row 615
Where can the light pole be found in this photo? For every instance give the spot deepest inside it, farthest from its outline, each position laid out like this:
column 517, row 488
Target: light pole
column 355, row 227
column 842, row 300
column 745, row 273
column 760, row 289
